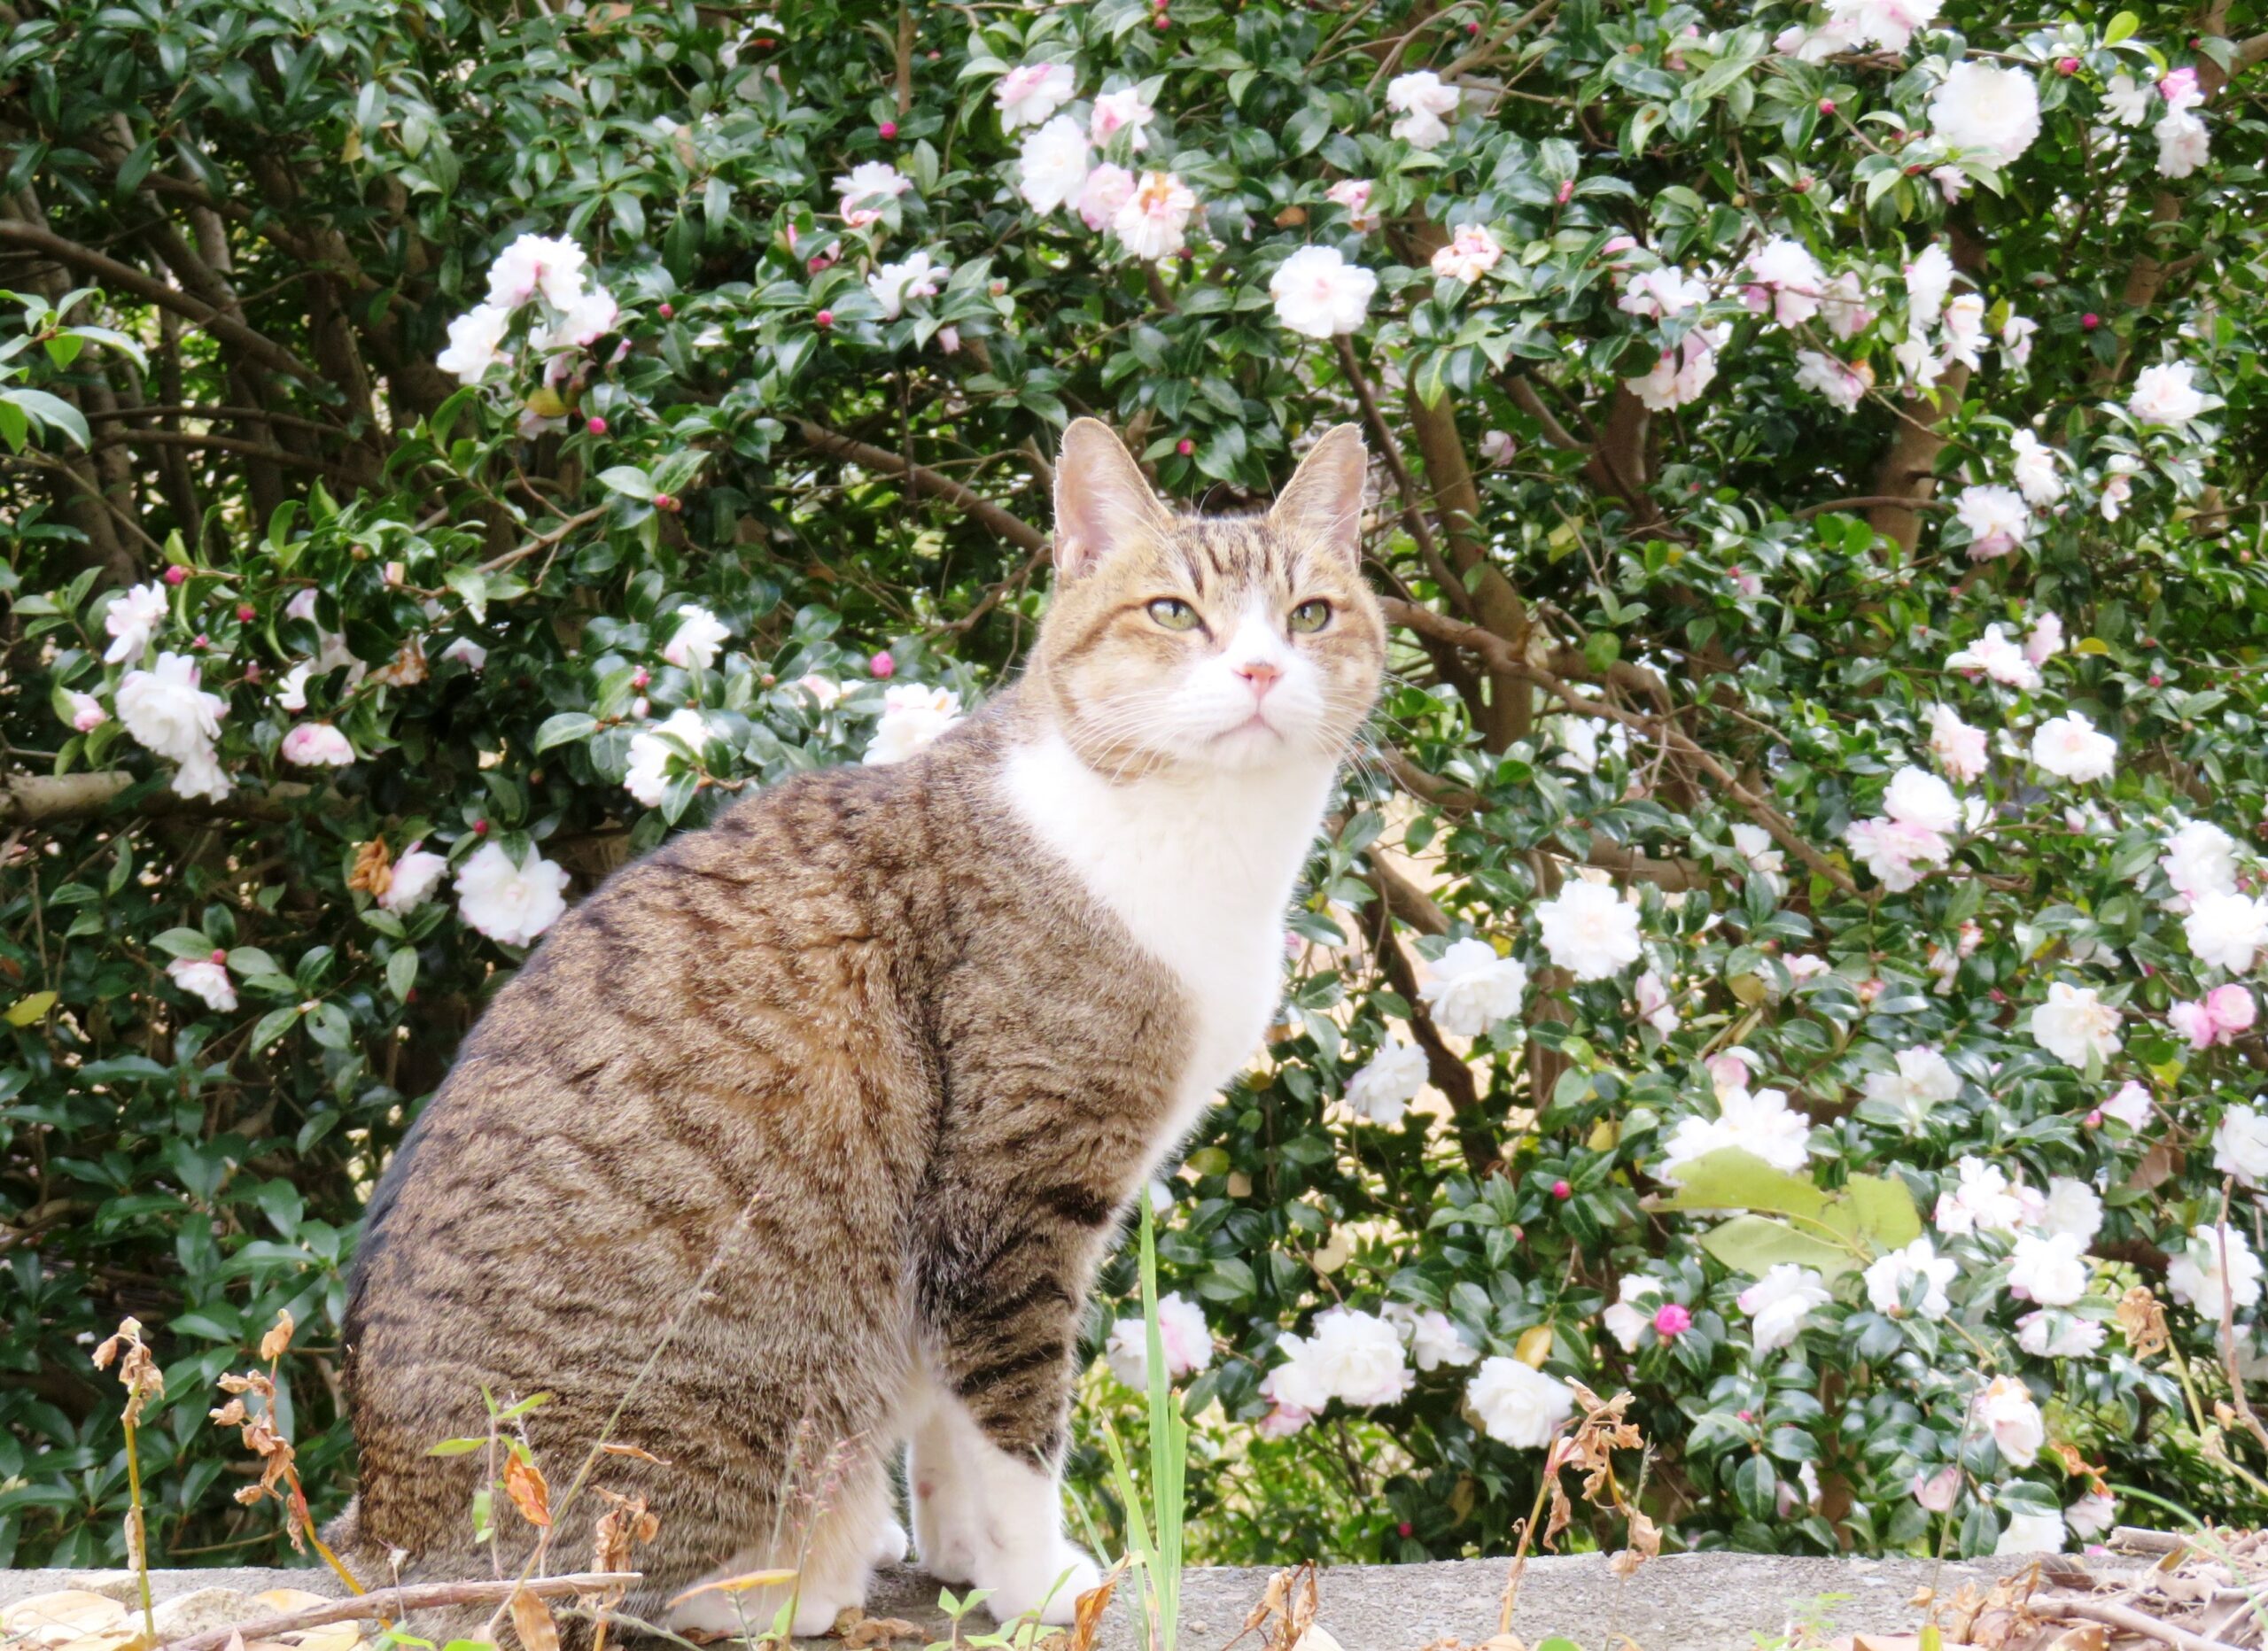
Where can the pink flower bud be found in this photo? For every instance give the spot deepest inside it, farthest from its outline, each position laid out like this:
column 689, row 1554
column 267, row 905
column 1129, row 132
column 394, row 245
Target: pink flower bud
column 889, row 129
column 480, row 828
column 1745, row 1415
column 2067, row 65
column 1560, row 1190
column 220, row 955
column 1567, row 191
column 595, row 425
column 2094, row 1119
column 1826, row 105
column 1185, row 446
column 246, row 613
column 176, row 574
column 1403, row 1529
column 1161, row 23
column 825, row 318
column 200, row 640
column 640, row 677
column 1939, row 1491
column 1672, row 1320
column 2089, row 321
column 882, row 665
column 667, row 311
column 665, row 501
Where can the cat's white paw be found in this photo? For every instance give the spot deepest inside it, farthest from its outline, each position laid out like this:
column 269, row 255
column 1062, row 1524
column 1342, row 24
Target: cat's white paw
column 1049, row 1587
column 889, row 1543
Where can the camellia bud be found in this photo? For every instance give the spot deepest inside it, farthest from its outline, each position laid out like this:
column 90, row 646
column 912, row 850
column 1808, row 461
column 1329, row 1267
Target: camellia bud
column 1672, row 1320
column 882, row 666
column 246, row 613
column 219, row 956
column 1562, row 1191
column 1567, row 191
column 889, row 129
column 480, row 828
column 176, row 574
column 665, row 501
column 2067, row 65
column 1826, row 105
column 1161, row 23
column 640, row 677
column 596, row 425
column 825, row 318
column 2089, row 321
column 1185, row 446
column 667, row 311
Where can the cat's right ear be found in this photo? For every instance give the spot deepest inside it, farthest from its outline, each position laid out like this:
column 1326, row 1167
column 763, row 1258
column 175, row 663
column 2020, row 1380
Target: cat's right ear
column 1103, row 502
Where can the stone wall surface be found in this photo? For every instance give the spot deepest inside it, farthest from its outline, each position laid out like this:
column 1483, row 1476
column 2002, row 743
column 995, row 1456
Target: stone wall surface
column 1680, row 1602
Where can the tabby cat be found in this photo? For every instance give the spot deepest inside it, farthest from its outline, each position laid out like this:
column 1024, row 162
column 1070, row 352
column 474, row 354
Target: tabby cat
column 854, row 1087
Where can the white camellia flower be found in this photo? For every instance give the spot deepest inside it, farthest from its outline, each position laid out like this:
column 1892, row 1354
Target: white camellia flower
column 913, row 716
column 2130, row 1106
column 2072, row 748
column 467, row 652
column 2015, row 339
column 1318, row 294
column 2240, row 1146
column 413, row 879
column 2118, row 473
column 1052, row 167
column 1779, row 1304
column 510, row 901
column 1757, row 846
column 1984, row 1200
column 2031, row 1532
column 2092, row 1515
column 2045, row 640
column 1786, row 281
column 533, row 264
column 1918, row 798
column 1958, row 747
column 1895, row 850
column 693, row 645
column 1472, row 254
column 1987, row 110
column 2200, row 859
column 1995, row 516
column 1355, row 1356
column 1387, row 1082
column 2185, row 144
column 1432, row 1338
column 2226, row 931
column 315, row 744
column 1423, row 101
column 1998, row 656
column 1632, row 1314
column 1471, row 989
column 1922, row 1081
column 1888, row 24
column 2075, row 1025
column 1355, row 195
column 1842, row 385
column 1119, row 111
column 2051, row 1333
column 1683, row 372
column 648, row 779
column 1668, row 291
column 1888, row 1277
column 1761, row 1122
column 2127, row 100
column 2194, row 1278
column 2052, row 1270
column 170, row 715
column 206, row 977
column 1518, row 1405
column 2039, row 475
column 2166, row 394
column 1029, row 93
column 1929, row 278
column 1155, row 217
column 1107, row 190
column 865, row 186
column 1590, row 930
column 476, row 343
column 1964, row 331
column 2005, row 1410
column 2073, row 1209
column 580, row 324
column 1186, row 1339
column 132, row 618
column 892, row 284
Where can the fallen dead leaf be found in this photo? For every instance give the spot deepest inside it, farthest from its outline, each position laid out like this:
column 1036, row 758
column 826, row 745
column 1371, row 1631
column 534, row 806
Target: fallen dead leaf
column 1086, row 1612
column 329, row 1636
column 280, row 1601
column 532, row 1621
column 52, row 1619
column 524, row 1483
column 879, row 1630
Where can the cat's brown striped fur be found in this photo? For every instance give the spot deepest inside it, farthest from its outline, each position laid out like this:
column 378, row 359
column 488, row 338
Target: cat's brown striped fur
column 863, row 1052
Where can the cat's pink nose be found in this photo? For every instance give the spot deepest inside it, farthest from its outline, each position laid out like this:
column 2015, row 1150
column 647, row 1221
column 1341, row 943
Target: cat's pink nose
column 1261, row 675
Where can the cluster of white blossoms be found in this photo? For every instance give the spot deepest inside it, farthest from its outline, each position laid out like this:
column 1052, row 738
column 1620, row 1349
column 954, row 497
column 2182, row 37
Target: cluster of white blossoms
column 1065, row 163
column 1183, row 1335
column 1913, row 831
column 1758, row 1121
column 2185, row 144
column 571, row 313
column 1364, row 1360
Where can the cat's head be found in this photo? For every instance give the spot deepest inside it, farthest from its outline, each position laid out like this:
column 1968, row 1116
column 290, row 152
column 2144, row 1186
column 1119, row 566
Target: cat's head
column 1227, row 642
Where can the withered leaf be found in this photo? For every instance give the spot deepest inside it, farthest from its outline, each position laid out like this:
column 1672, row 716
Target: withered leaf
column 2141, row 1318
column 524, row 1483
column 532, row 1622
column 278, row 1339
column 879, row 1630
column 373, row 872
column 615, row 1447
column 1086, row 1621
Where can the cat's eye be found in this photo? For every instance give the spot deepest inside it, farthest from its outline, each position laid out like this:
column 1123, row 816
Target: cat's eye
column 1311, row 616
column 1174, row 614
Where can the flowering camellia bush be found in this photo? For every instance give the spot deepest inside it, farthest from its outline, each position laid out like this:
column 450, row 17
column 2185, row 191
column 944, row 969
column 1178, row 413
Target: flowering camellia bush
column 1791, row 947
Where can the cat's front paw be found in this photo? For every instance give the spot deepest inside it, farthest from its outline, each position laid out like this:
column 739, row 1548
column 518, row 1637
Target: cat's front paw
column 889, row 1544
column 1049, row 1590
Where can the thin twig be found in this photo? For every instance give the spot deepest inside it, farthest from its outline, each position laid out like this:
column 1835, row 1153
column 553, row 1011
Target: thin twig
column 2130, row 1621
column 397, row 1600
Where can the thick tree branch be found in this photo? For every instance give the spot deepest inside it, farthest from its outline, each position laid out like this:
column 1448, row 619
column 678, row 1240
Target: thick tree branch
column 1445, row 1069
column 59, row 799
column 126, row 278
column 920, row 479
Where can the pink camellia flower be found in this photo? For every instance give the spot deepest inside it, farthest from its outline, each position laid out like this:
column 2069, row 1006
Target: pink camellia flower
column 1939, row 1491
column 2221, row 1016
column 1355, row 195
column 1472, row 255
column 2179, row 88
column 1672, row 1320
column 882, row 666
column 316, row 745
column 87, row 712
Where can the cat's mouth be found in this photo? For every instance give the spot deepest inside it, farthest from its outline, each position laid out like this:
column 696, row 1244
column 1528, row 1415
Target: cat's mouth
column 1257, row 723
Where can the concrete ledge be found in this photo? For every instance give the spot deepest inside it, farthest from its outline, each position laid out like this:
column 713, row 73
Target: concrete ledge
column 1680, row 1602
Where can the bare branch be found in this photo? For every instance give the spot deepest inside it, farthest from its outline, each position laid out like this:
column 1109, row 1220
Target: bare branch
column 399, row 1601
column 920, row 479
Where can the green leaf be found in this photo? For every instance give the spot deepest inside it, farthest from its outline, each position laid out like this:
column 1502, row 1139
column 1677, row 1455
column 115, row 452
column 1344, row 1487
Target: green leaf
column 1754, row 1245
column 564, row 728
column 1733, row 1179
column 25, row 1011
column 402, row 971
column 2120, row 27
column 628, row 480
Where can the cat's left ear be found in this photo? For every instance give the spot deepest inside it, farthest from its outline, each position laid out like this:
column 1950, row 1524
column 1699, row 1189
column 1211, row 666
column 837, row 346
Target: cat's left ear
column 1324, row 502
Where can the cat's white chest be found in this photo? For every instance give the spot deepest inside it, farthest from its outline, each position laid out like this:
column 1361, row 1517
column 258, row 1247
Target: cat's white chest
column 1200, row 870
